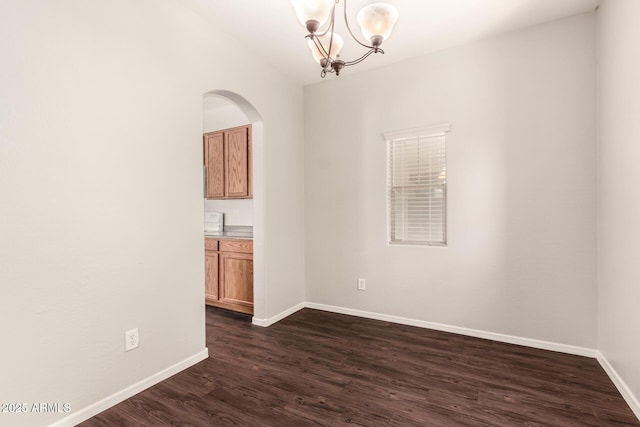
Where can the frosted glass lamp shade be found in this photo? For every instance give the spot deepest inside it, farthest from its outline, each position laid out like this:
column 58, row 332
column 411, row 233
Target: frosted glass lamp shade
column 312, row 10
column 336, row 46
column 377, row 19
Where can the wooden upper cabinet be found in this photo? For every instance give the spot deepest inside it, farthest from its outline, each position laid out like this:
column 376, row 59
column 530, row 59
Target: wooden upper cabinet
column 229, row 164
column 214, row 161
column 236, row 163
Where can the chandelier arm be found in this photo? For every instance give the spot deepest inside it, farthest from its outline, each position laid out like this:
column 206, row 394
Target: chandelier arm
column 331, row 21
column 316, row 37
column 332, row 33
column 320, row 47
column 346, row 21
column 326, row 70
column 363, row 57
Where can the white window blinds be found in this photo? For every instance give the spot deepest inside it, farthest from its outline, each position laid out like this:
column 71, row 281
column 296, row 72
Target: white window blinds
column 417, row 187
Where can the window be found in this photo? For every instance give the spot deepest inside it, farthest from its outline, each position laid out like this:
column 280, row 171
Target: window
column 417, row 186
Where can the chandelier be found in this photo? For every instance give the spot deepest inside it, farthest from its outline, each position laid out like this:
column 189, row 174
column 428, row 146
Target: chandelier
column 375, row 20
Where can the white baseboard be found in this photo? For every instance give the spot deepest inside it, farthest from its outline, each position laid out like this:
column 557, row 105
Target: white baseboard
column 511, row 339
column 271, row 320
column 109, row 401
column 622, row 387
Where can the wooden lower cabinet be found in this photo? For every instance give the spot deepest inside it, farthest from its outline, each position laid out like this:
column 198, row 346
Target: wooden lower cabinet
column 236, row 280
column 229, row 274
column 211, row 261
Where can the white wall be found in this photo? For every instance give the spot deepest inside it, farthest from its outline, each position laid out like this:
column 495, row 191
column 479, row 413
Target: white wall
column 618, row 197
column 521, row 173
column 236, row 211
column 101, row 184
column 219, row 113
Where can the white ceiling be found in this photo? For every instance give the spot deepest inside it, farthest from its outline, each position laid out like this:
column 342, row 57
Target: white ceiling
column 270, row 27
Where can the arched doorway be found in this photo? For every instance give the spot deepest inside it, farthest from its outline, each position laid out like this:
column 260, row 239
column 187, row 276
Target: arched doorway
column 227, row 109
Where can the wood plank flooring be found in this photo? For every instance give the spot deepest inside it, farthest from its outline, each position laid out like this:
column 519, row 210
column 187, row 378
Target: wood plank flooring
column 323, row 369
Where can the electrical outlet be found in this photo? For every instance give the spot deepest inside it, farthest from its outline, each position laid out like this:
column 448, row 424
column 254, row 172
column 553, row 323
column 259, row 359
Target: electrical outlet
column 361, row 285
column 131, row 339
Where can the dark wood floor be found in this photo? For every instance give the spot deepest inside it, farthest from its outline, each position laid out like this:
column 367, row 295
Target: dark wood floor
column 324, row 369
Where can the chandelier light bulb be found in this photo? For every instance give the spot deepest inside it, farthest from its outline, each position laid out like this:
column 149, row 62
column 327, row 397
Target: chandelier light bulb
column 314, row 11
column 376, row 21
column 336, row 46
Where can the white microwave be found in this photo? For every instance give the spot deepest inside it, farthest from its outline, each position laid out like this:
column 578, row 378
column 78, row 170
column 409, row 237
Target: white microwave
column 213, row 221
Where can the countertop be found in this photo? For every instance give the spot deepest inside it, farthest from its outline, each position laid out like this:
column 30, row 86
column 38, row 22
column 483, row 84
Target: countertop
column 232, row 232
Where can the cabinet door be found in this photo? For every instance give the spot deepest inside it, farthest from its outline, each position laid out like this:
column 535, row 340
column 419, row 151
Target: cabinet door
column 236, row 280
column 236, row 158
column 214, row 161
column 211, row 276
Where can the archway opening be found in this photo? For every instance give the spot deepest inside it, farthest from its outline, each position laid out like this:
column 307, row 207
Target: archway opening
column 224, row 109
